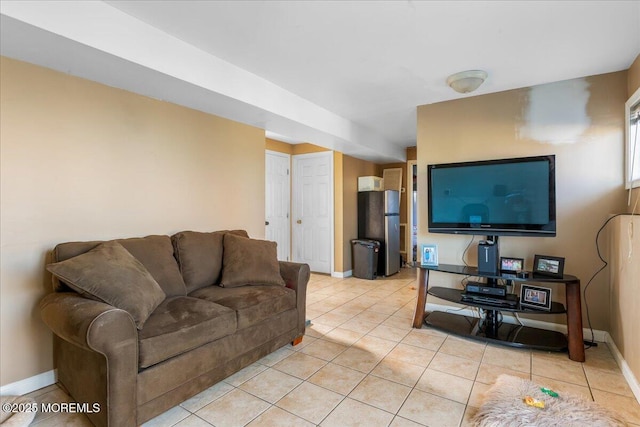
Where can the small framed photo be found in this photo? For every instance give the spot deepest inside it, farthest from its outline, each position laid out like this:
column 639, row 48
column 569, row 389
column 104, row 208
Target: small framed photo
column 511, row 265
column 429, row 255
column 548, row 266
column 535, row 297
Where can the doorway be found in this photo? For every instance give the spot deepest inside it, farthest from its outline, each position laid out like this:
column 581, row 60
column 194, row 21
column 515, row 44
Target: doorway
column 312, row 227
column 412, row 211
column 277, row 224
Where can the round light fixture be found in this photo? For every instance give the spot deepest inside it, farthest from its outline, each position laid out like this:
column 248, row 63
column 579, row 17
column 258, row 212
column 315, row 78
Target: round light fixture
column 466, row 81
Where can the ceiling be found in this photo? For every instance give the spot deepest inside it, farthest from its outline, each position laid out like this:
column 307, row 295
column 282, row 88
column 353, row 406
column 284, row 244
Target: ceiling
column 345, row 75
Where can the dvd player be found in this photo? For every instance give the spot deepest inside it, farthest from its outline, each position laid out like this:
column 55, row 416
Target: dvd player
column 485, row 289
column 508, row 301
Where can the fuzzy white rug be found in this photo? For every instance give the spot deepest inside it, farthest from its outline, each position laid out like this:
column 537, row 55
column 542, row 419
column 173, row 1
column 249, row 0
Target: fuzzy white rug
column 17, row 411
column 504, row 406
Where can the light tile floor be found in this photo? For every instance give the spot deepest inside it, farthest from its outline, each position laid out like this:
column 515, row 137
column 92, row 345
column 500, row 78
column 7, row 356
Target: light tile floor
column 361, row 363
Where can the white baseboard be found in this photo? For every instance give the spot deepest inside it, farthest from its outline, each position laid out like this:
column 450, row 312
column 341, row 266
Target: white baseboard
column 30, row 384
column 624, row 367
column 342, row 274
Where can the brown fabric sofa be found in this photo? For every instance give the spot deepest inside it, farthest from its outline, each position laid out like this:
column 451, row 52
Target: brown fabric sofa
column 221, row 308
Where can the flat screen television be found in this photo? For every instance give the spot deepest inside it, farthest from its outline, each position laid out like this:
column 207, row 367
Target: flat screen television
column 505, row 197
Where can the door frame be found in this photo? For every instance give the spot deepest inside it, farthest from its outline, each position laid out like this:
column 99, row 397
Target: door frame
column 409, row 228
column 294, row 200
column 289, row 202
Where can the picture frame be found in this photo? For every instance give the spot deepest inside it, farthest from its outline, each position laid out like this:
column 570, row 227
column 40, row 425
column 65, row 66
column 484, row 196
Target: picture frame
column 550, row 266
column 429, row 255
column 510, row 265
column 535, row 297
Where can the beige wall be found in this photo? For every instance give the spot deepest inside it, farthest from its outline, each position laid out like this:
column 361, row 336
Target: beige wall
column 624, row 269
column 624, row 272
column 82, row 161
column 584, row 131
column 283, row 147
column 307, row 148
column 412, row 153
column 279, row 146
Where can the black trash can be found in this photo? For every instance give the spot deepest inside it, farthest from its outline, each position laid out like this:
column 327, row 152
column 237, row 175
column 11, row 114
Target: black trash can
column 365, row 258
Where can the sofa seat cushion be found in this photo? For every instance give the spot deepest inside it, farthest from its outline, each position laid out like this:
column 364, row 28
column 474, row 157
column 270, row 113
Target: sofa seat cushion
column 253, row 304
column 181, row 324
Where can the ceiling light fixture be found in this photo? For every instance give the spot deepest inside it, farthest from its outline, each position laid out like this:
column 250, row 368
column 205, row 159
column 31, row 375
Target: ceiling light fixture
column 466, row 81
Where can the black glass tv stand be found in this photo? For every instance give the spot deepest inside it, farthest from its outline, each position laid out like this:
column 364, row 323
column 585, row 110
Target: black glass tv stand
column 491, row 328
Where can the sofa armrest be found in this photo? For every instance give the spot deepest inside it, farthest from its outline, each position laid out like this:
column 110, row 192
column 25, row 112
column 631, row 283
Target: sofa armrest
column 100, row 328
column 296, row 276
column 90, row 324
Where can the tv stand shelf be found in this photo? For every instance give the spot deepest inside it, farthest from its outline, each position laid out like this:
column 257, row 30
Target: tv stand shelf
column 491, row 328
column 455, row 295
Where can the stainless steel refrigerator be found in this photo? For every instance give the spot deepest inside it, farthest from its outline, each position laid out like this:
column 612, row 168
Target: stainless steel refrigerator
column 379, row 219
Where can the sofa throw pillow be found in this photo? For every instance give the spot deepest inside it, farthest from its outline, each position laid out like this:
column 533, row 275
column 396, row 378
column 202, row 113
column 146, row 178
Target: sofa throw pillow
column 111, row 274
column 248, row 261
column 199, row 255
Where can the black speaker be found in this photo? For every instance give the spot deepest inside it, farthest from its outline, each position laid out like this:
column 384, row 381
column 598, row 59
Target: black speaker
column 488, row 257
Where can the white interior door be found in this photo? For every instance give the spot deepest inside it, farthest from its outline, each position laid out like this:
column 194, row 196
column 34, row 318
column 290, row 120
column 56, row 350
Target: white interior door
column 313, row 210
column 277, row 201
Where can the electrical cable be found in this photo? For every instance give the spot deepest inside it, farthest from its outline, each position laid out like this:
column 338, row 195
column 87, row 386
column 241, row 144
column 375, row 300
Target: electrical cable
column 466, row 249
column 515, row 314
column 464, row 307
column 465, row 279
column 630, row 228
column 481, row 320
column 605, row 264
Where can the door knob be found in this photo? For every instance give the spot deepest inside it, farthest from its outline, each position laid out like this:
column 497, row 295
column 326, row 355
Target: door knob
column 299, row 221
column 266, row 223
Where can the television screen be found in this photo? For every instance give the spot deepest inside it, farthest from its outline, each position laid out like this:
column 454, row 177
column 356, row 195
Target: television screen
column 494, row 197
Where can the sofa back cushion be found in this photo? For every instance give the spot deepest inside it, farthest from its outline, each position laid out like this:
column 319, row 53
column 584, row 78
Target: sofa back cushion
column 199, row 256
column 154, row 252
